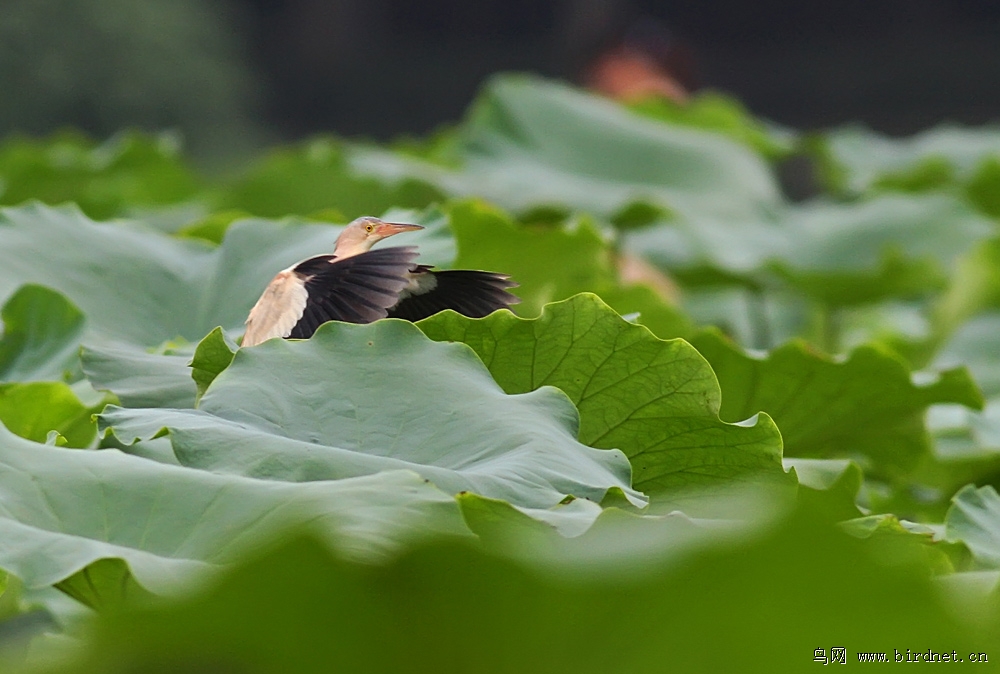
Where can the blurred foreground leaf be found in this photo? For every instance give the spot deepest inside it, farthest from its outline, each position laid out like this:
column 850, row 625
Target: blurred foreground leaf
column 444, row 606
column 866, row 159
column 718, row 112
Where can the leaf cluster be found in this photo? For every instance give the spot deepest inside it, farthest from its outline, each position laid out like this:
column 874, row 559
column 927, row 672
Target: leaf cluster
column 720, row 421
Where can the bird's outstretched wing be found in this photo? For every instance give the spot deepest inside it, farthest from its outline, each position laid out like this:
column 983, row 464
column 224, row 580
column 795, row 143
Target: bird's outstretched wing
column 357, row 289
column 472, row 293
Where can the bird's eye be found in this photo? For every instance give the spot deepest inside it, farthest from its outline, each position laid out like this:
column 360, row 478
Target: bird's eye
column 369, row 228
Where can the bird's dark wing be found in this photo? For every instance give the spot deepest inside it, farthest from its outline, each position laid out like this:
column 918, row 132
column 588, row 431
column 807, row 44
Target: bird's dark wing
column 356, row 289
column 471, row 293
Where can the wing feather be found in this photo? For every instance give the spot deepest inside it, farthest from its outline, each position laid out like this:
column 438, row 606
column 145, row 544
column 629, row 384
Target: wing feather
column 472, row 293
column 356, row 289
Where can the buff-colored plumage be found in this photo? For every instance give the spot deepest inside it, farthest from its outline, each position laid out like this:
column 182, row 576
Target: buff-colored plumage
column 278, row 309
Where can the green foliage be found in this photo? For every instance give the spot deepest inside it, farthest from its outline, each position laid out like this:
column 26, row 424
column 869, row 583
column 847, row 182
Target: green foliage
column 314, row 177
column 138, row 378
column 166, row 521
column 33, row 410
column 974, row 519
column 939, row 158
column 829, row 486
column 445, row 605
column 487, row 239
column 167, row 287
column 528, row 143
column 213, row 355
column 864, row 406
column 42, row 332
column 787, row 487
column 715, row 111
column 356, row 400
column 983, row 189
column 657, row 401
column 128, row 172
column 836, row 254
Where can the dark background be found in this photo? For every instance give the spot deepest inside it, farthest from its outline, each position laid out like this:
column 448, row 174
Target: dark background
column 385, row 66
column 241, row 73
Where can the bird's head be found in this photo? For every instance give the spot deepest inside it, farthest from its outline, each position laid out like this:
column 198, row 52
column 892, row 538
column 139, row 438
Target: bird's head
column 363, row 233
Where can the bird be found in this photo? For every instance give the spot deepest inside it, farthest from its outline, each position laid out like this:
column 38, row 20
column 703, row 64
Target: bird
column 359, row 285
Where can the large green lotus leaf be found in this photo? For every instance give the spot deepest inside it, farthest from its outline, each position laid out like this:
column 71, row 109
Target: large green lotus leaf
column 840, row 254
column 128, row 171
column 976, row 345
column 866, row 405
column 63, row 509
column 658, row 401
column 139, row 378
column 829, row 485
column 722, row 114
column 211, row 357
column 974, row 519
column 974, row 287
column 553, row 263
column 141, row 286
column 41, row 335
column 32, row 410
column 498, row 523
column 359, row 399
column 864, row 159
column 172, row 377
column 443, row 606
column 983, row 189
column 314, row 177
column 529, row 143
column 963, row 434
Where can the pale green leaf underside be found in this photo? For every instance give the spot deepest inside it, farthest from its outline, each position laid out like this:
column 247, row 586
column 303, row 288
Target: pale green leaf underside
column 359, row 399
column 974, row 519
column 63, row 509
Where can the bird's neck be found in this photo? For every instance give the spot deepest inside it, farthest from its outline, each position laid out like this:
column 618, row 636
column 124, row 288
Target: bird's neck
column 343, row 250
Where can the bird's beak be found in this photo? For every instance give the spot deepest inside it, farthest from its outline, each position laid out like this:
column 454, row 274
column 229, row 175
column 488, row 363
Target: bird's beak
column 389, row 228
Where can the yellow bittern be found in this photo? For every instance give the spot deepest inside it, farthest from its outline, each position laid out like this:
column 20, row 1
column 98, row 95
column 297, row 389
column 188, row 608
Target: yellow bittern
column 359, row 285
